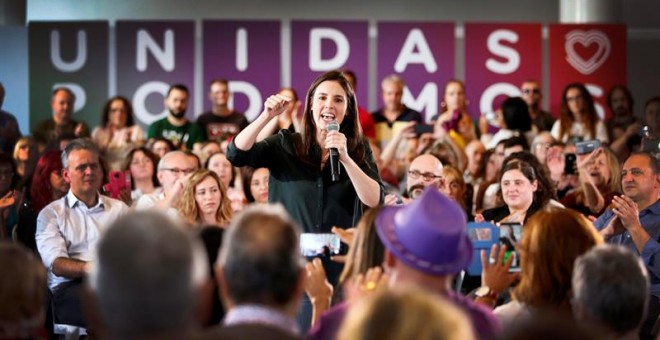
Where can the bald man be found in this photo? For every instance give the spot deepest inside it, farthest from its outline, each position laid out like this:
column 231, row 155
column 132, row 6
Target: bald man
column 425, row 170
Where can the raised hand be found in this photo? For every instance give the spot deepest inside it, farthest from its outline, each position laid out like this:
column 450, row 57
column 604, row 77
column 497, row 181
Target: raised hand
column 276, row 104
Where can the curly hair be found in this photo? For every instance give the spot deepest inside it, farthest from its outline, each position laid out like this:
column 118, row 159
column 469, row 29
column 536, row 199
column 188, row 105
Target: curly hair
column 188, row 209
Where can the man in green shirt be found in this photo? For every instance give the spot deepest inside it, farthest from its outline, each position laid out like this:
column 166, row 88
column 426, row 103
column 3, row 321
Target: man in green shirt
column 176, row 127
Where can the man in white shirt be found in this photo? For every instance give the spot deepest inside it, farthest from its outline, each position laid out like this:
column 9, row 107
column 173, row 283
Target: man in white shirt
column 69, row 228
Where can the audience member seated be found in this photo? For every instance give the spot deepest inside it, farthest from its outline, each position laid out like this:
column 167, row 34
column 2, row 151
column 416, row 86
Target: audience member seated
column 541, row 145
column 610, row 289
column 48, row 185
column 425, row 171
column 219, row 164
column 599, row 174
column 365, row 252
column 25, row 158
column 454, row 118
column 147, row 281
column 255, row 184
column 209, row 148
column 69, row 229
column 48, row 131
column 514, row 120
column 623, row 127
column 454, row 187
column 141, row 164
column 578, row 120
column 10, row 132
column 366, row 119
column 22, row 292
column 183, row 134
column 261, row 246
column 211, row 236
column 8, row 196
column 204, row 201
column 118, row 133
column 221, row 122
column 287, row 120
column 488, row 175
column 426, row 244
column 652, row 117
column 521, row 194
column 515, row 144
column 551, row 241
column 531, row 94
column 174, row 170
column 542, row 174
column 160, row 146
column 394, row 113
column 474, row 152
column 405, row 313
column 632, row 221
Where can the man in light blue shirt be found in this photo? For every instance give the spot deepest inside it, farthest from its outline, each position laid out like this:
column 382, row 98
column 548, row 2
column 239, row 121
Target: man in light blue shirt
column 69, row 228
column 634, row 222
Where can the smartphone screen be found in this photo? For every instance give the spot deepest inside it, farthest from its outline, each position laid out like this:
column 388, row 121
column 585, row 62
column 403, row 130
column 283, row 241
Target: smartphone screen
column 569, row 163
column 319, row 244
column 510, row 235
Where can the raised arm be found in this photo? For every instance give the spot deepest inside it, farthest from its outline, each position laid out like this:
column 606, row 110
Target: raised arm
column 273, row 106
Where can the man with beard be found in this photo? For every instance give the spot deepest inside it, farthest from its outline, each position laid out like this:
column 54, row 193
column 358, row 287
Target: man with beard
column 633, row 221
column 425, row 170
column 176, row 127
column 622, row 128
column 49, row 131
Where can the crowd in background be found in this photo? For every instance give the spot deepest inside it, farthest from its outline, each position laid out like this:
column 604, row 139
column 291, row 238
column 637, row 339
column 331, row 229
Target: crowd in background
column 174, row 228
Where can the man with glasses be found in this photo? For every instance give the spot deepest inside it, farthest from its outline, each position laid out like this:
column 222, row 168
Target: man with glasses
column 69, row 228
column 425, row 170
column 174, row 169
column 531, row 94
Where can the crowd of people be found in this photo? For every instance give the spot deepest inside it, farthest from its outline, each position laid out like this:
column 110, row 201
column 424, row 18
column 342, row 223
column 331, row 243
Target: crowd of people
column 195, row 229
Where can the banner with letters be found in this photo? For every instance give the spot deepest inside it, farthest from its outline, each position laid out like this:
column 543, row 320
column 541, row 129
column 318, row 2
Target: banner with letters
column 73, row 55
column 498, row 59
column 247, row 54
column 422, row 53
column 152, row 56
column 595, row 55
column 321, row 46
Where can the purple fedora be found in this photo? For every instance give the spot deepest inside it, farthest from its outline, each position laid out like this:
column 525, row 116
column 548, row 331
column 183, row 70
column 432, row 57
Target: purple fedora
column 428, row 234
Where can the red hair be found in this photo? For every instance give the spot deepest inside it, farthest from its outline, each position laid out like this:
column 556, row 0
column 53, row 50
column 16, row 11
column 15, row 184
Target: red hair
column 40, row 190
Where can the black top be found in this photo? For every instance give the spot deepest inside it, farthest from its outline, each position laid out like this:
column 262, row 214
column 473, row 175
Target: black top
column 220, row 128
column 407, row 115
column 309, row 195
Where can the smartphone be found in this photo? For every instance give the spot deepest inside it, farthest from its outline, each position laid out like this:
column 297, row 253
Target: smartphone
column 319, row 244
column 586, row 147
column 423, row 128
column 118, row 181
column 509, row 235
column 569, row 163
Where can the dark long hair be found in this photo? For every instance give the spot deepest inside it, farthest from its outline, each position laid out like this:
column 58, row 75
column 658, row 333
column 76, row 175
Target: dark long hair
column 541, row 195
column 350, row 127
column 106, row 111
column 566, row 116
column 154, row 160
column 40, row 190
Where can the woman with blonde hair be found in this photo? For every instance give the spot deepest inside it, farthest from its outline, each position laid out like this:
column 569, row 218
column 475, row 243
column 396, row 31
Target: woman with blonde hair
column 204, row 201
column 552, row 239
column 405, row 313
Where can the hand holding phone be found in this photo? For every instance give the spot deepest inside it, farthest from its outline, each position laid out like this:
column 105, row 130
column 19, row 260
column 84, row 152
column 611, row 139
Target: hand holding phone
column 118, row 181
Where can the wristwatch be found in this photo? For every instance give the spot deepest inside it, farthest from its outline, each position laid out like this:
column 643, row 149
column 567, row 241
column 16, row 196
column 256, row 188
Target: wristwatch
column 485, row 292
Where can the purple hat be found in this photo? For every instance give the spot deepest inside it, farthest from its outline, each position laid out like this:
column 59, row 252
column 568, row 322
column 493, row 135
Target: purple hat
column 429, row 234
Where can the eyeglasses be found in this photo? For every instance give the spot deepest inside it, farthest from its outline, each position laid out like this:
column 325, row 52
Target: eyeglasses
column 178, row 171
column 427, row 176
column 530, row 91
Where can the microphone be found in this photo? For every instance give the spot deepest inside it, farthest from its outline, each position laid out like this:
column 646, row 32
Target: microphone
column 334, row 153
